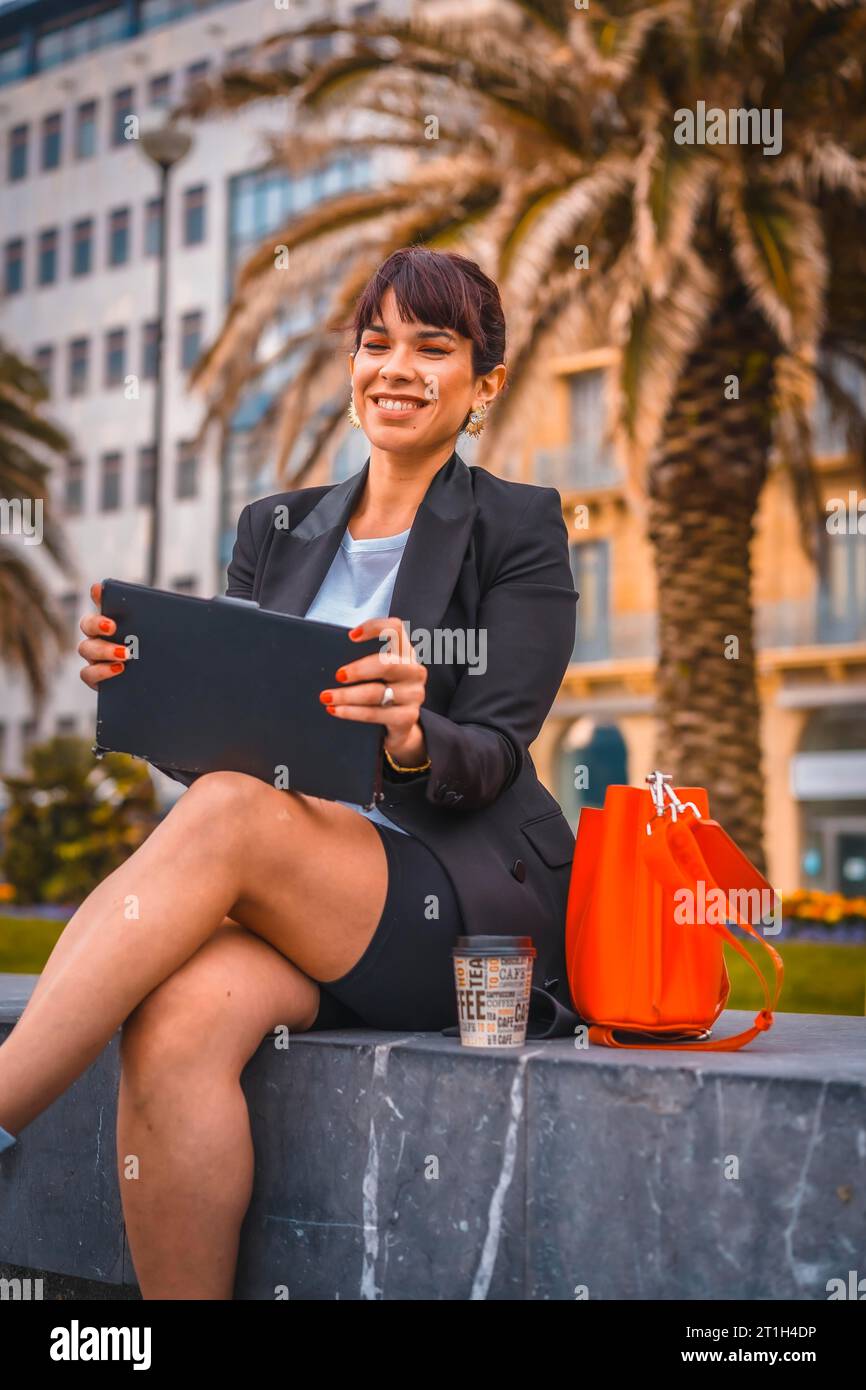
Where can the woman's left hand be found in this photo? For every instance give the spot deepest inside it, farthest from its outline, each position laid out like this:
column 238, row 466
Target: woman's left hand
column 396, row 666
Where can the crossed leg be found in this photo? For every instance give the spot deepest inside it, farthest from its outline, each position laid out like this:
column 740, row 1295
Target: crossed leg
column 307, row 878
column 184, row 1149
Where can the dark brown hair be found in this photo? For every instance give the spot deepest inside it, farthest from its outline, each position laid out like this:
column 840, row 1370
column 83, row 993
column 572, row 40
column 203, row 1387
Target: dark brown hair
column 443, row 289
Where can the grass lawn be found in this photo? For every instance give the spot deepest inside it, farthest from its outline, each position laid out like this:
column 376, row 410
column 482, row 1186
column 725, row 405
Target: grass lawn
column 26, row 943
column 819, row 979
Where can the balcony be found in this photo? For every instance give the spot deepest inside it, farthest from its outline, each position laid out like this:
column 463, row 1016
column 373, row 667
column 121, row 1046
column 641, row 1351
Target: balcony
column 577, row 468
column 622, row 637
column 807, row 623
column 796, row 623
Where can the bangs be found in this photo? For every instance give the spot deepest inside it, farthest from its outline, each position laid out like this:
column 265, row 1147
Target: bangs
column 438, row 289
column 435, row 295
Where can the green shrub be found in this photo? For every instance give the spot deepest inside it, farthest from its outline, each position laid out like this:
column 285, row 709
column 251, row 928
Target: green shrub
column 72, row 819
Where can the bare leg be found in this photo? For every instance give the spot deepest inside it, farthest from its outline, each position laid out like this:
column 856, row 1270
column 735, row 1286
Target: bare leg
column 231, row 846
column 185, row 1153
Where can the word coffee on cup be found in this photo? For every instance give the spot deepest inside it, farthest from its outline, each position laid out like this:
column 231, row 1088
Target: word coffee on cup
column 493, row 975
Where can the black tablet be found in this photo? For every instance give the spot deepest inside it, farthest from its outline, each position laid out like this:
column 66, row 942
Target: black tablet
column 219, row 683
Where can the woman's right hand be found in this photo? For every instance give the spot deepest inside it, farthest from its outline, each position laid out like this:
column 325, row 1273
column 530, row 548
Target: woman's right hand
column 105, row 658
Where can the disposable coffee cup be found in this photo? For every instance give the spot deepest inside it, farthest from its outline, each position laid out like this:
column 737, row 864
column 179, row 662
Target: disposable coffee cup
column 493, row 977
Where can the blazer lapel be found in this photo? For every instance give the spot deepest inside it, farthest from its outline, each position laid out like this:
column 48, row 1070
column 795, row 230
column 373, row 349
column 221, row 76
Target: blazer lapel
column 436, row 547
column 303, row 556
column 431, row 562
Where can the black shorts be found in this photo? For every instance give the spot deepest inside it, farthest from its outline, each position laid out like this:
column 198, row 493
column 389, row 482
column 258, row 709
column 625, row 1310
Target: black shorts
column 405, row 978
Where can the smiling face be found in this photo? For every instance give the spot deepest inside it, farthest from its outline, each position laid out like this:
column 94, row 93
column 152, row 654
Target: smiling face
column 414, row 383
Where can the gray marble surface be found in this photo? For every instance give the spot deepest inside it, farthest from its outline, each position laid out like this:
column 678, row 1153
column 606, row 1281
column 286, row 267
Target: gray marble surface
column 403, row 1166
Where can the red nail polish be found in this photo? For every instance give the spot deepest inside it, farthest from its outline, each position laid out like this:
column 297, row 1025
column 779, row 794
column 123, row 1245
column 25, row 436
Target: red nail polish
column 341, row 674
column 325, row 697
column 104, row 624
column 330, row 709
column 120, row 651
column 356, row 632
column 117, row 666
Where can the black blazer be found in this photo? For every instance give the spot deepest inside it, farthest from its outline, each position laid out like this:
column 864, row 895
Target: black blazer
column 482, row 553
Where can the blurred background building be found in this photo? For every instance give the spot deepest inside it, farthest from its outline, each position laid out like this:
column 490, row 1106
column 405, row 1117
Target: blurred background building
column 811, row 631
column 80, row 256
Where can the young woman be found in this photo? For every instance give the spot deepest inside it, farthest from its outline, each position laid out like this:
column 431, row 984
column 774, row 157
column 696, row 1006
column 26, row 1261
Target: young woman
column 259, row 907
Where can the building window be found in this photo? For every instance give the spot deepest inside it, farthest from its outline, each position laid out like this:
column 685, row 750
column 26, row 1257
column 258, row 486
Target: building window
column 69, row 38
column 842, row 589
column 187, row 471
column 590, row 568
column 153, row 227
column 265, row 199
column 588, row 461
column 115, row 356
column 44, row 357
column 69, row 609
column 588, row 422
column 109, row 490
column 321, row 47
column 828, row 779
column 190, row 339
column 591, row 757
column 159, row 90
column 79, row 354
column 18, row 139
column 118, row 236
column 82, row 246
column 51, row 141
column 46, row 270
column 196, row 72
column 239, row 57
column 66, row 724
column 121, row 109
column 828, row 423
column 12, row 62
column 28, row 735
column 73, row 487
column 145, row 476
column 187, row 584
column 149, row 345
column 366, row 10
column 280, row 57
column 14, row 266
column 194, row 215
column 85, row 130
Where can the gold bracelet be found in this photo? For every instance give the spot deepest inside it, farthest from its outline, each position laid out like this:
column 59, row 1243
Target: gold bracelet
column 398, row 768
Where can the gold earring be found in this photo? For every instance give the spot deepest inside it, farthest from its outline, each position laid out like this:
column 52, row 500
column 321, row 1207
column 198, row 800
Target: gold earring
column 353, row 414
column 476, row 420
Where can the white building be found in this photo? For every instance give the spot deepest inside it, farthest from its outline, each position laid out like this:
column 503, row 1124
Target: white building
column 79, row 230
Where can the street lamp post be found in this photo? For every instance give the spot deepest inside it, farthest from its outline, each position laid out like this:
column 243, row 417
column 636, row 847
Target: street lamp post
column 165, row 144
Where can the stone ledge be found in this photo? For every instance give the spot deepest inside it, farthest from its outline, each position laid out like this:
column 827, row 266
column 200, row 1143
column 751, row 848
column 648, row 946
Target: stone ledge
column 557, row 1168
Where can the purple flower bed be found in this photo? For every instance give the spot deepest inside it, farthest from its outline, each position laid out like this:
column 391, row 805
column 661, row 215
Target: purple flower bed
column 851, row 932
column 52, row 912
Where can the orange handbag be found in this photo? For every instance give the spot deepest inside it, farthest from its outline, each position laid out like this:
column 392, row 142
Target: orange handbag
column 653, row 884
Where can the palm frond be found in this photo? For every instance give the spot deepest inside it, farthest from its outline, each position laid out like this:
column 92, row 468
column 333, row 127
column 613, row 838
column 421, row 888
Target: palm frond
column 778, row 248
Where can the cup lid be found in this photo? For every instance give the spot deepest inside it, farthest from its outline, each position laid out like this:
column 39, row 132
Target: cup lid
column 486, row 943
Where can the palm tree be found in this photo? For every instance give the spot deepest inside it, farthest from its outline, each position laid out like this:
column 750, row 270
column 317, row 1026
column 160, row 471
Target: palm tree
column 721, row 274
column 30, row 622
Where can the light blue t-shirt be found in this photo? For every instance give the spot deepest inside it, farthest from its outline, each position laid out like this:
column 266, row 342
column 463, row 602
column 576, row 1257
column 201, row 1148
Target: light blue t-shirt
column 359, row 585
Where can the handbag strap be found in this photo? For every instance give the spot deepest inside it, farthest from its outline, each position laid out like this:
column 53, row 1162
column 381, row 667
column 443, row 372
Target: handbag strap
column 669, row 844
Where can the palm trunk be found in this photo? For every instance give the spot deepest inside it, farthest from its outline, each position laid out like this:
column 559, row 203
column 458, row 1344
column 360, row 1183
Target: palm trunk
column 704, row 486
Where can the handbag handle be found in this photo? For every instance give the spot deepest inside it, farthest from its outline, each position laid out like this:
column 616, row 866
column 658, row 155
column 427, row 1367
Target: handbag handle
column 673, row 844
